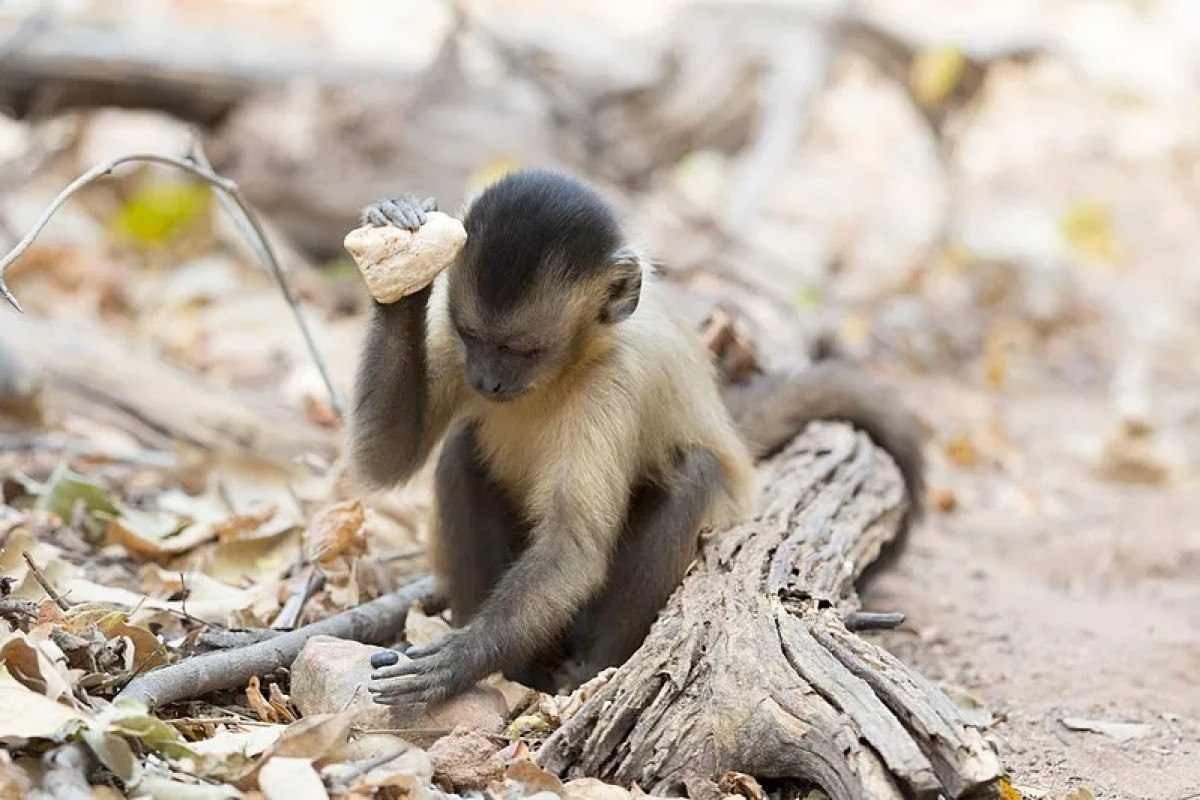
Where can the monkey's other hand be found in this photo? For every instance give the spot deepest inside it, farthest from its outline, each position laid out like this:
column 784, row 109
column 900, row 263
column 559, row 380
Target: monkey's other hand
column 433, row 673
column 404, row 212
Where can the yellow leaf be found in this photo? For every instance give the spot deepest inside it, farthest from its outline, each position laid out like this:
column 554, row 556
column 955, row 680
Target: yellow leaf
column 962, row 451
column 935, row 74
column 1088, row 227
column 158, row 212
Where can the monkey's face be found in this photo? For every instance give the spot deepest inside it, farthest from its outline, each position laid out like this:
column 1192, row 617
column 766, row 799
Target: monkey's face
column 515, row 353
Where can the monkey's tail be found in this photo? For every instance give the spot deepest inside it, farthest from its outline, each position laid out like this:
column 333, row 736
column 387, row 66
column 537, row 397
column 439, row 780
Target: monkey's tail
column 772, row 409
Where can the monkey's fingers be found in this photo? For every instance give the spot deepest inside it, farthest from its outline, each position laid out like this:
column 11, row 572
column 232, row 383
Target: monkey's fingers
column 429, row 204
column 412, row 689
column 373, row 216
column 403, row 212
column 427, row 650
column 405, row 668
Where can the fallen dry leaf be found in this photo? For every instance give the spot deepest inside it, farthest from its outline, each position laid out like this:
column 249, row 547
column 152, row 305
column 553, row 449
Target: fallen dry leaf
column 246, row 524
column 283, row 778
column 141, row 538
column 114, row 753
column 275, row 710
column 149, row 652
column 250, row 742
column 336, row 530
column 533, row 778
column 29, row 714
column 36, row 662
column 312, row 738
column 15, row 784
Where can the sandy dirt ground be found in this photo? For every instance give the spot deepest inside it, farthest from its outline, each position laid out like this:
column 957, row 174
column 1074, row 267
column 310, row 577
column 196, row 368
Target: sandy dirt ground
column 1060, row 595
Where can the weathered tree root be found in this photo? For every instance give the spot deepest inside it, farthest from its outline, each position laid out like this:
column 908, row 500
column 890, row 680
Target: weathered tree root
column 750, row 667
column 380, row 621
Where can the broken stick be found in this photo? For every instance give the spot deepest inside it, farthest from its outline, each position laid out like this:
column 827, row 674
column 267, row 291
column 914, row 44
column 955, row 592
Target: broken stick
column 380, row 621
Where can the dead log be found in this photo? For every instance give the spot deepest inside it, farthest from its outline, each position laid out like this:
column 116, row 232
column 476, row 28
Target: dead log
column 90, row 371
column 751, row 669
column 190, row 74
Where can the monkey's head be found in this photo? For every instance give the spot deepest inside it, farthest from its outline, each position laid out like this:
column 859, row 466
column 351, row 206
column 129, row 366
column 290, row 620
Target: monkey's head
column 544, row 268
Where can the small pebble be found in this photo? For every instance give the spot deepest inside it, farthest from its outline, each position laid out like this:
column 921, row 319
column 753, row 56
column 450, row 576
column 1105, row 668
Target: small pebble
column 384, row 658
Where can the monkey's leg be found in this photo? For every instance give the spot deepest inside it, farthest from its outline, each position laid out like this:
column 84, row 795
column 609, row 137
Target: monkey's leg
column 660, row 541
column 479, row 532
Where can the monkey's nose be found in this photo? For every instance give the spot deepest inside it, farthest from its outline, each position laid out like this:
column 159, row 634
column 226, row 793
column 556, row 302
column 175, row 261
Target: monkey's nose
column 489, row 386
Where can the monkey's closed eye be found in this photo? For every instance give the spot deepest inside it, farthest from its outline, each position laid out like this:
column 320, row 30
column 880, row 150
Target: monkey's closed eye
column 531, row 353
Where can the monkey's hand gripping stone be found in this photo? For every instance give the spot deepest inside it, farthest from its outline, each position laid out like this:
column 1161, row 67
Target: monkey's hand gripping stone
column 396, row 262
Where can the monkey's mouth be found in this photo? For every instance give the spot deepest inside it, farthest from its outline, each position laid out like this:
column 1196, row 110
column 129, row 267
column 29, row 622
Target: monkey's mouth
column 502, row 396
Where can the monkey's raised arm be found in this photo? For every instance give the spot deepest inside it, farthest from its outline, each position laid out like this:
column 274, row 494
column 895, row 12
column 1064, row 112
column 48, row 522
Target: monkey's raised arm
column 402, row 402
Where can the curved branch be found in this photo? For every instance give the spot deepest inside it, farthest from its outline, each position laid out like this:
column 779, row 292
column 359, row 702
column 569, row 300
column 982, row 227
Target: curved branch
column 252, row 229
column 380, row 621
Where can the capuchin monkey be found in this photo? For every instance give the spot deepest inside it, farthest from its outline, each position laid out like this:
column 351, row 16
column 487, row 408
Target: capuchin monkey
column 585, row 442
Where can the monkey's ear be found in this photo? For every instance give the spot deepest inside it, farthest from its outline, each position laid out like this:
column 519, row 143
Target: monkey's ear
column 624, row 287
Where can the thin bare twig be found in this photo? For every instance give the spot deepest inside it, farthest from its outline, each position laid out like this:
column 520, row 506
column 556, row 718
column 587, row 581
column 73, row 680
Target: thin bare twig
column 360, row 768
column 258, row 241
column 289, row 616
column 378, row 622
column 873, row 620
column 231, row 720
column 81, row 448
column 47, row 587
column 227, row 189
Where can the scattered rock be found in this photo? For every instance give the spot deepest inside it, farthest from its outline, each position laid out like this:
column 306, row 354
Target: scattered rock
column 397, row 262
column 1121, row 731
column 943, row 499
column 466, row 760
column 1131, row 456
column 331, row 674
column 1082, row 793
column 534, row 779
column 593, row 789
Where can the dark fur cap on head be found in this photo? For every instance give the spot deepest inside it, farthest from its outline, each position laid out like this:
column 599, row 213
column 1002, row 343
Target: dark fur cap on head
column 534, row 224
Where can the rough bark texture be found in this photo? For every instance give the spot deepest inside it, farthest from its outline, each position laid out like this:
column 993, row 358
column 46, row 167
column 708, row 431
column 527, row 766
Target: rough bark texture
column 751, row 669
